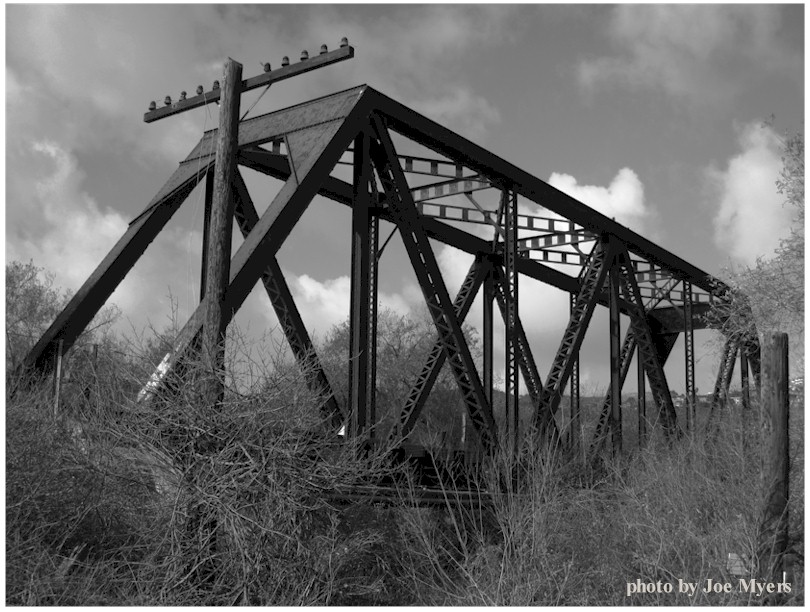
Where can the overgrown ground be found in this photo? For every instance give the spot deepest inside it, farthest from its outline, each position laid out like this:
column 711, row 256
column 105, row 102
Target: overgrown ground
column 115, row 504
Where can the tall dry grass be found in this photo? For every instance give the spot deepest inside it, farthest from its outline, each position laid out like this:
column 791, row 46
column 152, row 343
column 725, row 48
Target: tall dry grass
column 182, row 503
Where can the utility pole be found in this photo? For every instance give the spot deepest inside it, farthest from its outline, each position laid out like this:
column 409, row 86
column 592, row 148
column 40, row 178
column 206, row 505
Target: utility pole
column 220, row 231
column 220, row 202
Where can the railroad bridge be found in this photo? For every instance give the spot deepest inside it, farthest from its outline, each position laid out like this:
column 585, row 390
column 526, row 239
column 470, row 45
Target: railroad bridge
column 395, row 168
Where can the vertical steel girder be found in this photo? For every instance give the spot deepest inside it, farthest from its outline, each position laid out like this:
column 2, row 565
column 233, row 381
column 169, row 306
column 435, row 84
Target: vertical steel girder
column 576, row 426
column 286, row 311
column 689, row 357
column 489, row 297
column 642, row 402
column 360, row 318
column 417, row 397
column 404, row 212
column 509, row 288
column 593, row 279
column 614, row 283
column 373, row 280
column 653, row 365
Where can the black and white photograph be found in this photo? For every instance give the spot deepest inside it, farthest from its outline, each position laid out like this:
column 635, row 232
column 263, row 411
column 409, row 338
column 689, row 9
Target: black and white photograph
column 404, row 304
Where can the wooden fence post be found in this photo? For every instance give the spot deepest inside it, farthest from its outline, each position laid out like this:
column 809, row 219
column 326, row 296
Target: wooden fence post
column 773, row 528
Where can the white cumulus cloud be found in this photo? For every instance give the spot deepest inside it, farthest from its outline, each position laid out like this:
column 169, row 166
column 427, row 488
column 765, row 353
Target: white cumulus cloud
column 623, row 199
column 750, row 216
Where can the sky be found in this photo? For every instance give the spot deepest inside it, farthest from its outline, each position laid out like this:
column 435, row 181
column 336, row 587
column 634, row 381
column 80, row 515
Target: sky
column 669, row 118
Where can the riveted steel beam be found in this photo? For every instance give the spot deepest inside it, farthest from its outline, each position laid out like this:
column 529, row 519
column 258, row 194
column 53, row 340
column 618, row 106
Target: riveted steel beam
column 420, row 252
column 359, row 322
column 418, row 395
column 591, row 284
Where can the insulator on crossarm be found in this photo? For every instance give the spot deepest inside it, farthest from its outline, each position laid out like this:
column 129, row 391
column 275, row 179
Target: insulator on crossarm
column 324, row 49
column 216, row 85
column 152, row 105
column 182, row 95
column 199, row 90
column 304, row 55
column 267, row 67
column 167, row 101
column 285, row 61
column 344, row 42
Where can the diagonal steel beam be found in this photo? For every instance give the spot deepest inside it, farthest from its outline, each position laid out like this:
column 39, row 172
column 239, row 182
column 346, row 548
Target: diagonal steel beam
column 420, row 252
column 91, row 296
column 592, row 282
column 528, row 366
column 649, row 355
column 628, row 348
column 284, row 306
column 417, row 397
column 724, row 374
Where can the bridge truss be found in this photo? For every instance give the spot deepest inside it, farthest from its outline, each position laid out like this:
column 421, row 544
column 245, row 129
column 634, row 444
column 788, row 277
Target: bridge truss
column 356, row 148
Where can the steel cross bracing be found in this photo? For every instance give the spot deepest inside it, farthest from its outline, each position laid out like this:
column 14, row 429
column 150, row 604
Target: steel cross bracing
column 418, row 395
column 648, row 353
column 404, row 212
column 629, row 347
column 592, row 282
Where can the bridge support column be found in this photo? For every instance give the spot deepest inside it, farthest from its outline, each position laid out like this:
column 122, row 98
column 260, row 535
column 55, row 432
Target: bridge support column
column 575, row 424
column 642, row 401
column 689, row 357
column 510, row 291
column 614, row 281
column 359, row 323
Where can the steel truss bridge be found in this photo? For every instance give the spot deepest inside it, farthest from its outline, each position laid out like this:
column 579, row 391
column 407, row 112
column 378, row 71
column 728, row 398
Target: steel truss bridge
column 353, row 147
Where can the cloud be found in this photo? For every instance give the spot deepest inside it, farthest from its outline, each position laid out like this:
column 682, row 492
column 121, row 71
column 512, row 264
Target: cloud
column 324, row 304
column 69, row 217
column 695, row 52
column 750, row 216
column 623, row 199
column 410, row 54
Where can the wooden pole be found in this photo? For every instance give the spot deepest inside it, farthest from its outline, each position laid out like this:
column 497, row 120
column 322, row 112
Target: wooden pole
column 773, row 531
column 218, row 257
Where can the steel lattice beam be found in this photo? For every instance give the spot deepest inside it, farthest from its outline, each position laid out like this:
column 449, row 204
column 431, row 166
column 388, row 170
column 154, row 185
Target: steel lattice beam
column 418, row 395
column 420, row 252
column 593, row 279
column 509, row 287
